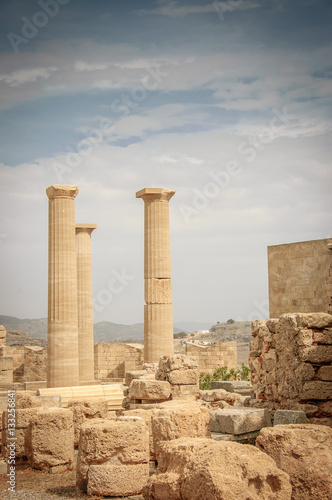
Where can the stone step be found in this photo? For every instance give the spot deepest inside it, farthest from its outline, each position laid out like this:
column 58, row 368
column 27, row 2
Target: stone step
column 113, row 393
column 239, row 420
column 241, row 387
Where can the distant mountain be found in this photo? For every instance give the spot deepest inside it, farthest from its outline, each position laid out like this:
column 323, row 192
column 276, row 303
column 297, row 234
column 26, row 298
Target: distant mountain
column 104, row 331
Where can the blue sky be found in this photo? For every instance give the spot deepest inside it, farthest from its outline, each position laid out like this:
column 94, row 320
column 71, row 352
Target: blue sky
column 228, row 103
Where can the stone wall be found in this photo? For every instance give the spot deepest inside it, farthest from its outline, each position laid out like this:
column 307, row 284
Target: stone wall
column 215, row 356
column 300, row 277
column 3, row 334
column 29, row 362
column 291, row 364
column 114, row 360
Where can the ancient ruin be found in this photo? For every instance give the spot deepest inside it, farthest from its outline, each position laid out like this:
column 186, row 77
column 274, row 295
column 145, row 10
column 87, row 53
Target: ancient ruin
column 84, row 302
column 158, row 311
column 62, row 339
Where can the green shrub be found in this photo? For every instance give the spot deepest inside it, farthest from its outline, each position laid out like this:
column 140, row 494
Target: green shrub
column 222, row 373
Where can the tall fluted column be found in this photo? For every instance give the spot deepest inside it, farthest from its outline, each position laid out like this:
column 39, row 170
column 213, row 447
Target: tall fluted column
column 62, row 338
column 84, row 301
column 158, row 311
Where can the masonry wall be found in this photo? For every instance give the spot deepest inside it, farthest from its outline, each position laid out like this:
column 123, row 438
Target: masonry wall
column 291, row 364
column 114, row 360
column 300, row 277
column 29, row 362
column 212, row 357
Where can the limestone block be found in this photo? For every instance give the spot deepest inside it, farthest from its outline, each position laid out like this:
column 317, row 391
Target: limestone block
column 145, row 415
column 316, row 354
column 177, row 362
column 325, row 373
column 134, row 374
column 157, row 291
column 154, row 390
column 323, row 337
column 314, row 320
column 86, row 410
column 316, row 389
column 185, row 420
column 194, row 469
column 304, row 371
column 213, row 395
column 286, row 417
column 121, row 441
column 21, row 419
column 6, row 370
column 304, row 451
column 185, row 392
column 242, row 420
column 50, row 439
column 183, row 377
column 24, row 399
column 240, row 387
column 117, row 480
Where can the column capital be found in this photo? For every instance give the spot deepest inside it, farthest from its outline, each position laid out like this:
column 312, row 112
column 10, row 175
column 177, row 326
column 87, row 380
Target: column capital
column 153, row 193
column 85, row 228
column 62, row 191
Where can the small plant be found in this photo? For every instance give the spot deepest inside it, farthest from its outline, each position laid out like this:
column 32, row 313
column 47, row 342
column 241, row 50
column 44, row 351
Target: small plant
column 245, row 370
column 205, row 381
column 222, row 373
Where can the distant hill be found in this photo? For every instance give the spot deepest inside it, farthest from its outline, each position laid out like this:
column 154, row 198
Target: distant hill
column 104, row 331
column 240, row 331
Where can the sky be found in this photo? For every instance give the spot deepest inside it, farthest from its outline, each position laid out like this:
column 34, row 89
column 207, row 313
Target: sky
column 228, row 103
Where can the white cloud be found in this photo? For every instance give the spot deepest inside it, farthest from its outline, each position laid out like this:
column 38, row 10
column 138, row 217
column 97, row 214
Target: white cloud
column 173, row 9
column 20, row 77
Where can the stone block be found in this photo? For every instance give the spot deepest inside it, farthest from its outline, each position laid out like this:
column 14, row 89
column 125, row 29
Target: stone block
column 316, row 389
column 183, row 377
column 20, row 418
column 154, row 390
column 304, row 452
column 117, row 480
column 134, row 374
column 313, row 320
column 242, row 420
column 50, row 439
column 185, row 420
column 213, row 395
column 185, row 392
column 323, row 337
column 124, row 441
column 145, row 415
column 240, row 387
column 6, row 370
column 202, row 469
column 325, row 373
column 316, row 354
column 86, row 410
column 286, row 417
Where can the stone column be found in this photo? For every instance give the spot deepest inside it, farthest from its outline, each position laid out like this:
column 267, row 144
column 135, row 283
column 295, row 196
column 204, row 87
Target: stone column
column 84, row 301
column 158, row 311
column 62, row 338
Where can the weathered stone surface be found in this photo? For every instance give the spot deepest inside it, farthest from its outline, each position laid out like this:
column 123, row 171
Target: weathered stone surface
column 185, row 392
column 86, row 410
column 285, row 417
column 26, row 400
column 117, row 480
column 323, row 337
column 304, row 452
column 213, row 395
column 242, row 420
column 316, row 354
column 316, row 389
column 135, row 374
column 149, row 389
column 325, row 373
column 6, row 370
column 3, row 334
column 20, row 418
column 124, row 440
column 145, row 415
column 182, row 421
column 240, row 387
column 314, row 320
column 50, row 439
column 178, row 369
column 183, row 377
column 202, row 469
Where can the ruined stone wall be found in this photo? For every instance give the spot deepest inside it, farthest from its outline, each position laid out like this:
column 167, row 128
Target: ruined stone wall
column 114, row 360
column 3, row 335
column 215, row 356
column 29, row 362
column 300, row 277
column 291, row 363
